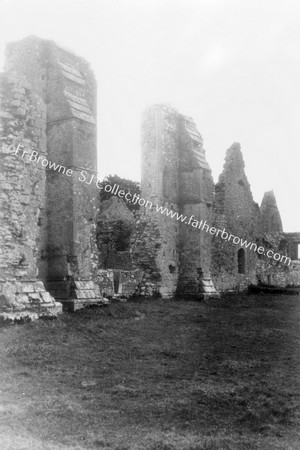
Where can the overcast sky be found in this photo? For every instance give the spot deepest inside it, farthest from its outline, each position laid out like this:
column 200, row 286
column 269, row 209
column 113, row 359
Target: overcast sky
column 233, row 65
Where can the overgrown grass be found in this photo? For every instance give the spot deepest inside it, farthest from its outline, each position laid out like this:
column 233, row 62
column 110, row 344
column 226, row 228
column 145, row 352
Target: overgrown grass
column 155, row 375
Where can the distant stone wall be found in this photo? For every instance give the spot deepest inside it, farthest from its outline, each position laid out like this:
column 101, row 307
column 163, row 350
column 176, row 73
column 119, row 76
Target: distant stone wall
column 128, row 245
column 279, row 273
column 270, row 216
column 105, row 281
column 120, row 283
column 115, row 224
column 270, row 272
column 293, row 245
column 146, row 243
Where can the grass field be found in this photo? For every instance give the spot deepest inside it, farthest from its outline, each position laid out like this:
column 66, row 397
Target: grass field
column 155, row 375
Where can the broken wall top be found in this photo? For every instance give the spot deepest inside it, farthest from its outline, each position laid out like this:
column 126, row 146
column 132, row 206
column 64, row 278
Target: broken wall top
column 271, row 220
column 114, row 209
column 63, row 79
column 233, row 196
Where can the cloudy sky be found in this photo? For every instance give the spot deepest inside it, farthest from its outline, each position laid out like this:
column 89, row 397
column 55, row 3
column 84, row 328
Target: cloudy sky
column 233, row 65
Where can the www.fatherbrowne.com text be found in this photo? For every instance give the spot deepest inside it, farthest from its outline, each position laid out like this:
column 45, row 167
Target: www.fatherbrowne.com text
column 201, row 225
column 88, row 178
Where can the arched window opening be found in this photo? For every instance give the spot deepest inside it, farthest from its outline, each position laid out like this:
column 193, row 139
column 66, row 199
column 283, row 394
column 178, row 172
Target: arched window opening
column 241, row 261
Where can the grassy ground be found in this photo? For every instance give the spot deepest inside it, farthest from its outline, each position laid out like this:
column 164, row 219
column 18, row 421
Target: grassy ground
column 155, row 375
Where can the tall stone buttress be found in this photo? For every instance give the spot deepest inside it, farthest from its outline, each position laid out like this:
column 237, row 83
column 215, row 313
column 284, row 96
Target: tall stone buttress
column 176, row 176
column 67, row 256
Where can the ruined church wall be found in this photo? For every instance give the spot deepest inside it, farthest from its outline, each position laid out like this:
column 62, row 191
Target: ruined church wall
column 67, row 85
column 146, row 242
column 23, row 122
column 128, row 244
column 279, row 273
column 237, row 213
column 22, row 205
column 66, row 239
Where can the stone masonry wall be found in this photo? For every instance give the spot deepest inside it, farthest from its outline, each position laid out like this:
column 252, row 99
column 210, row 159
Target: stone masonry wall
column 160, row 186
column 132, row 271
column 120, row 283
column 49, row 232
column 115, row 224
column 146, row 243
column 234, row 210
column 176, row 176
column 65, row 84
column 23, row 123
column 279, row 273
column 22, row 129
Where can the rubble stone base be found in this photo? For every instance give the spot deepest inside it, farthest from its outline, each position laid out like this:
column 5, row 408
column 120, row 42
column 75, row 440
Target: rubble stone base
column 74, row 295
column 209, row 290
column 23, row 301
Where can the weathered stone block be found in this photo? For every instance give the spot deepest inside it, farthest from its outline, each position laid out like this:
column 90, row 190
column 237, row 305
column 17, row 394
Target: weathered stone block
column 86, row 293
column 22, row 298
column 28, row 288
column 46, row 297
column 34, row 296
column 39, row 286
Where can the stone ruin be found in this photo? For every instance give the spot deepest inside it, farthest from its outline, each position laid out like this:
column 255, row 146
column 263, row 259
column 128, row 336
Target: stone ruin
column 173, row 258
column 59, row 248
column 48, row 106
